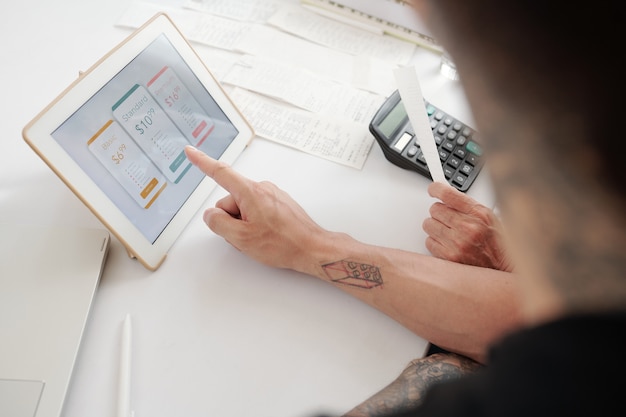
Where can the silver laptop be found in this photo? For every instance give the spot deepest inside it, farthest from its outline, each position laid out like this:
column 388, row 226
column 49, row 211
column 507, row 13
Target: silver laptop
column 48, row 278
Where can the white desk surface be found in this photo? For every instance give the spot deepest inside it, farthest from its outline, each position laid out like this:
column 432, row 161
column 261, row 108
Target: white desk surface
column 215, row 333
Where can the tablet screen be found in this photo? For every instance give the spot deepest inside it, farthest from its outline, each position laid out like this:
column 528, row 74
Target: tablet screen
column 129, row 137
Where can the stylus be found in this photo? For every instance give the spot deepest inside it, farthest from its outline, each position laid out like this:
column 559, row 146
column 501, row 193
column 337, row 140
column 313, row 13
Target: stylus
column 123, row 395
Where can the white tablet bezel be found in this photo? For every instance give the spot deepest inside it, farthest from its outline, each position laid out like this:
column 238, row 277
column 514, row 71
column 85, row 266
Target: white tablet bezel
column 38, row 134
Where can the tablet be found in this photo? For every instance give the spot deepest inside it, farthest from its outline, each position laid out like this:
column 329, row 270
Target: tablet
column 116, row 136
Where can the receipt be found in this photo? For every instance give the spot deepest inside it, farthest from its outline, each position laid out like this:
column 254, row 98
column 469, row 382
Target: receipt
column 413, row 101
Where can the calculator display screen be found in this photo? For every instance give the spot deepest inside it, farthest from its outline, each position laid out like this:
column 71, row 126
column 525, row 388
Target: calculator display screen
column 391, row 122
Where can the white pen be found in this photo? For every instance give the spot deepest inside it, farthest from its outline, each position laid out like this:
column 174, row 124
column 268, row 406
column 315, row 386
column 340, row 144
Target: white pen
column 123, row 394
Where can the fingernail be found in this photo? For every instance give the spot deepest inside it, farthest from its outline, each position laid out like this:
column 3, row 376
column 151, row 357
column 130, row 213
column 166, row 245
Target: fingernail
column 206, row 216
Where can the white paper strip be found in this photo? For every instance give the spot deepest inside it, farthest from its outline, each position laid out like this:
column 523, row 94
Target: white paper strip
column 413, row 101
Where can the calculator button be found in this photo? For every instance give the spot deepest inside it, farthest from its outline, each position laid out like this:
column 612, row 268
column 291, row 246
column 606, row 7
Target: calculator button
column 443, row 155
column 460, row 152
column 454, row 162
column 412, row 151
column 439, row 115
column 459, row 179
column 452, row 134
column 421, row 158
column 438, row 140
column 447, row 121
column 430, row 109
column 433, row 124
column 449, row 146
column 467, row 131
column 457, row 126
column 461, row 140
column 442, row 129
column 466, row 169
column 402, row 142
column 474, row 148
column 449, row 172
column 472, row 159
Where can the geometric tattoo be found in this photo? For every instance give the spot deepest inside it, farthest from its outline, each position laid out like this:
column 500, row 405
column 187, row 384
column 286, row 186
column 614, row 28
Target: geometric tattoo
column 354, row 274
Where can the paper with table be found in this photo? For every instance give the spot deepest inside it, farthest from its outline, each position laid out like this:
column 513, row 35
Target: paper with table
column 274, row 64
column 395, row 17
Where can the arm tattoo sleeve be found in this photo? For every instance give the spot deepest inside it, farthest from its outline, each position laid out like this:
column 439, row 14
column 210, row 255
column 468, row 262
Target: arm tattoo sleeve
column 408, row 390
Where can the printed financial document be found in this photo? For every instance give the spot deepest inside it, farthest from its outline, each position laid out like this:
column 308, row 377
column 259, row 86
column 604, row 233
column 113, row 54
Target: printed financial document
column 277, row 70
column 331, row 138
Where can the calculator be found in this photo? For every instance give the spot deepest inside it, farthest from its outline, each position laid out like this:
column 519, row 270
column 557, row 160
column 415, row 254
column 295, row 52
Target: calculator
column 458, row 144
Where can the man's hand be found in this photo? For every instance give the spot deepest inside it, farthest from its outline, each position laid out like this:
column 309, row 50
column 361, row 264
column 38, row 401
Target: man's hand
column 258, row 218
column 462, row 230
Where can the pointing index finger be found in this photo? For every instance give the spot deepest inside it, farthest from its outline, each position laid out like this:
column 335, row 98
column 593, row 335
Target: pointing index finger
column 221, row 172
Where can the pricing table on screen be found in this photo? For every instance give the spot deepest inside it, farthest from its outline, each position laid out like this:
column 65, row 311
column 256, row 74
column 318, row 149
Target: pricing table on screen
column 119, row 154
column 173, row 97
column 146, row 122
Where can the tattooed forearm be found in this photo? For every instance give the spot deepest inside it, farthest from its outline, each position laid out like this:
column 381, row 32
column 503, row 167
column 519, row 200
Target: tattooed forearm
column 354, row 273
column 408, row 390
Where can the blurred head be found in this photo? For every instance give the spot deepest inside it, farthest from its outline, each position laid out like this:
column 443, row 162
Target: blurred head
column 544, row 89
